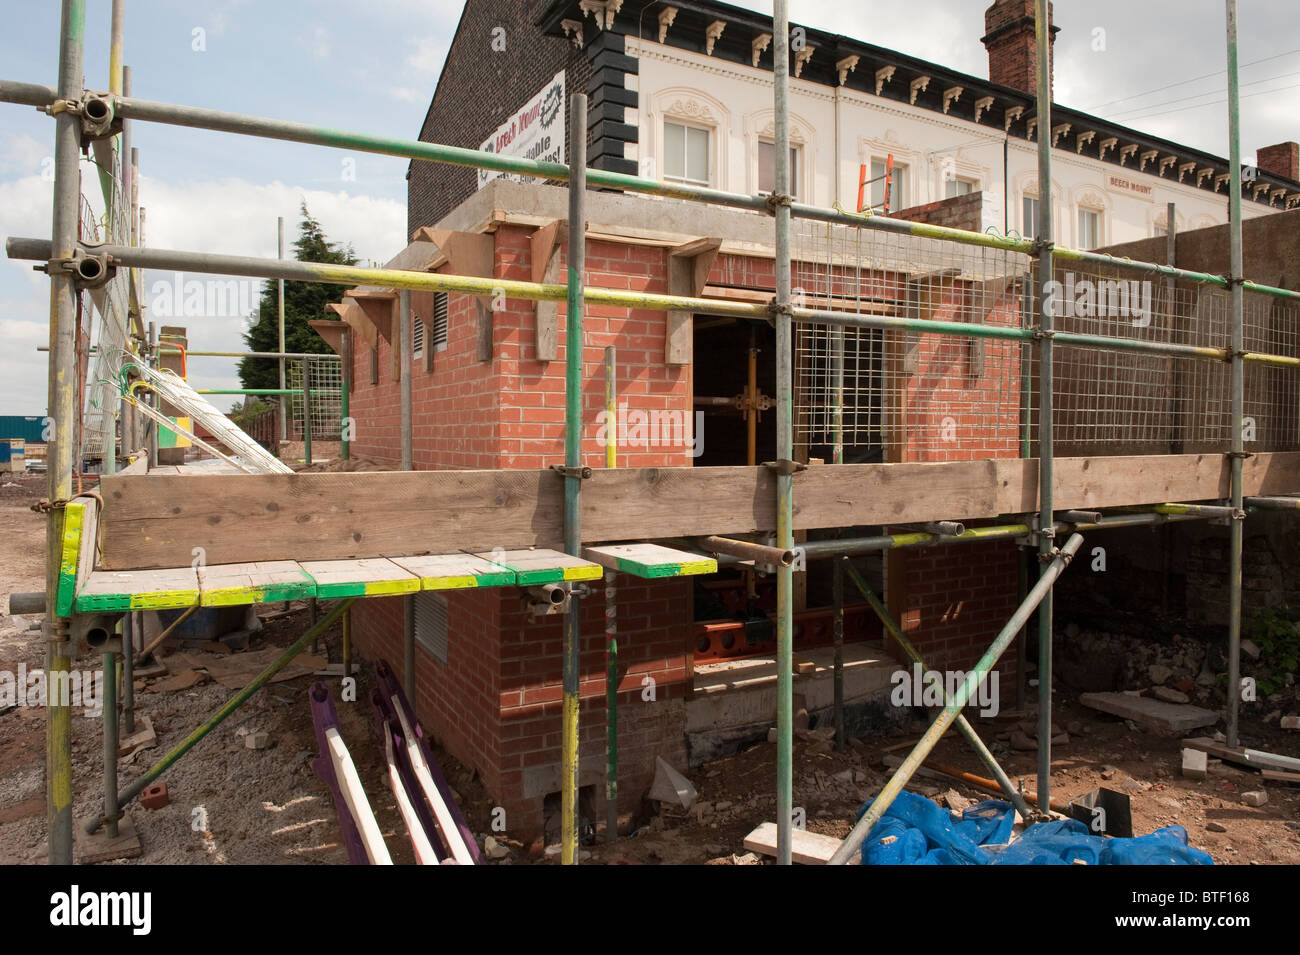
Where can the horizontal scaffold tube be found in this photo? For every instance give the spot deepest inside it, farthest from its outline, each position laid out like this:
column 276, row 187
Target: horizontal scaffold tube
column 32, row 94
column 816, row 550
column 748, row 550
column 38, row 250
column 853, row 841
column 295, row 271
column 1272, row 503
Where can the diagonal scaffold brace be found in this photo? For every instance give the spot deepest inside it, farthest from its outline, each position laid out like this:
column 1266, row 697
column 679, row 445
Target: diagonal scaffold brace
column 963, row 725
column 1051, row 571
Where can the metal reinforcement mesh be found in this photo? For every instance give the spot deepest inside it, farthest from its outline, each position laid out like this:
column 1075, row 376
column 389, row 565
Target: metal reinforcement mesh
column 906, row 396
column 911, row 396
column 110, row 331
column 1115, row 402
column 326, row 397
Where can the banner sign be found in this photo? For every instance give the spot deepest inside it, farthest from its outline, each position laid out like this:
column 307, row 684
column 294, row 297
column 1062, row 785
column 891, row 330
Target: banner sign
column 534, row 131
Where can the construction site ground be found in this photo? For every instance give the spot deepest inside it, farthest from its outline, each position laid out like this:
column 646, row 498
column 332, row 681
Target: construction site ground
column 230, row 803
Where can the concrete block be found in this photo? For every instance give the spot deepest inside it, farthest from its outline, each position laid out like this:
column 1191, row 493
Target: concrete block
column 1195, row 764
column 1154, row 715
column 1256, row 798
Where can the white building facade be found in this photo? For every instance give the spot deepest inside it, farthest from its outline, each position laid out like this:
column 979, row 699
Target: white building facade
column 710, row 122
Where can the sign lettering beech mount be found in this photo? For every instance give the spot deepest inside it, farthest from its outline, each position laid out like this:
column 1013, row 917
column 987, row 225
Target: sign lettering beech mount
column 534, row 131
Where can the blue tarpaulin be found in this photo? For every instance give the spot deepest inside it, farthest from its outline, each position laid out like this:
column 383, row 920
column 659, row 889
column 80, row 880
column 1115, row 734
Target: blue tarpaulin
column 914, row 831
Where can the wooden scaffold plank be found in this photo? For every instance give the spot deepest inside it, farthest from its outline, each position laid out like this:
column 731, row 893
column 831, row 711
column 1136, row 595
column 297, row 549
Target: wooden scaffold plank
column 455, row 571
column 229, row 585
column 360, row 577
column 107, row 591
column 542, row 566
column 651, row 560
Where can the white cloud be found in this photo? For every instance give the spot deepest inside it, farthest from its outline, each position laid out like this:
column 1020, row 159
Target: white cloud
column 318, row 42
column 228, row 216
column 23, row 155
column 429, row 53
column 406, row 94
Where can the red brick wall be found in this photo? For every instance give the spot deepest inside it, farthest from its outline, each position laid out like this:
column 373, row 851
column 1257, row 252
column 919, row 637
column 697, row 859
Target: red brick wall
column 654, row 630
column 532, row 403
column 956, row 599
column 495, row 704
column 963, row 399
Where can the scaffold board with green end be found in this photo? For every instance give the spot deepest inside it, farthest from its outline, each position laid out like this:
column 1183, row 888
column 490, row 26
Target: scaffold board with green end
column 541, row 566
column 456, row 571
column 228, row 585
column 651, row 560
column 360, row 577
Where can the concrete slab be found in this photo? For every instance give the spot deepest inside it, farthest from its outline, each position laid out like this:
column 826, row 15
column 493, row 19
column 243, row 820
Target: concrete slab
column 736, row 693
column 1155, row 715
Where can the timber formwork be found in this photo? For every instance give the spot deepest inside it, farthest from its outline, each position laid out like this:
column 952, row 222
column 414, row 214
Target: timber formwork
column 292, row 541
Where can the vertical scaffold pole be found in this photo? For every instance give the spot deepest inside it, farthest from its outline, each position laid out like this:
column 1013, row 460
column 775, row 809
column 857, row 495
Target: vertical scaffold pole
column 1046, row 522
column 784, row 438
column 1238, row 375
column 60, row 448
column 837, row 580
column 113, row 199
column 404, row 353
column 279, row 294
column 345, row 399
column 109, row 701
column 611, row 613
column 404, row 346
column 573, row 355
column 306, row 410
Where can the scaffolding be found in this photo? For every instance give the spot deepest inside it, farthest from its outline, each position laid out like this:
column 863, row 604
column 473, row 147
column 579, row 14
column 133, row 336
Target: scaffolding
column 987, row 305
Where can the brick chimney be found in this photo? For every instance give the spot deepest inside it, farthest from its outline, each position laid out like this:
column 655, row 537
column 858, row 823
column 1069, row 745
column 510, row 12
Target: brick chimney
column 1281, row 160
column 1009, row 36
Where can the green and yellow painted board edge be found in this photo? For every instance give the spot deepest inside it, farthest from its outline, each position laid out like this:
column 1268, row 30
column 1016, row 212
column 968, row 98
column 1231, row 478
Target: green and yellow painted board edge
column 553, row 575
column 685, row 568
column 502, row 578
column 156, row 600
column 258, row 593
column 372, row 588
column 651, row 569
column 74, row 518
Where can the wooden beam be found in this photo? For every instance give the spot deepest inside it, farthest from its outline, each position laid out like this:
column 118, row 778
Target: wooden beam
column 464, row 253
column 806, row 848
column 689, row 265
column 467, row 253
column 422, row 311
column 332, row 330
column 547, row 244
column 156, row 520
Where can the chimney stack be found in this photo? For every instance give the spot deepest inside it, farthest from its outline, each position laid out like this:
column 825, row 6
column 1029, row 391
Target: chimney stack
column 1280, row 160
column 1009, row 36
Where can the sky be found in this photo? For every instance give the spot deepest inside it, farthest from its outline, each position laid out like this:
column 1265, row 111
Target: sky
column 1157, row 66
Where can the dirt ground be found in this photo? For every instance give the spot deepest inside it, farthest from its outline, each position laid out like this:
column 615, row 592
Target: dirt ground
column 232, row 804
